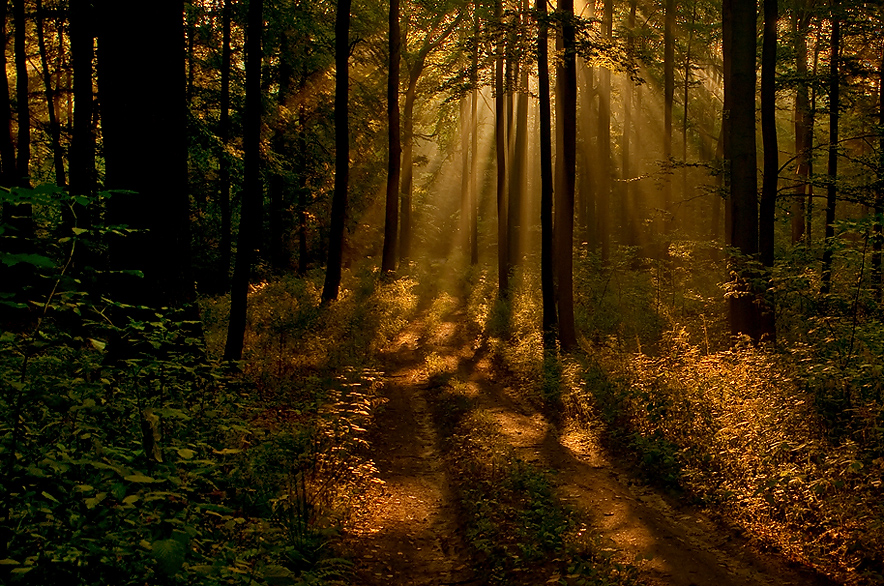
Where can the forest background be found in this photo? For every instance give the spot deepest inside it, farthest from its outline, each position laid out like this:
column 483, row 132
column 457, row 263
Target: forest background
column 193, row 186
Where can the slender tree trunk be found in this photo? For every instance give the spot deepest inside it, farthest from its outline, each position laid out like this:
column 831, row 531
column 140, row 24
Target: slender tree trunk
column 82, row 153
column 519, row 160
column 771, row 157
column 739, row 20
column 191, row 69
column 405, row 229
column 547, row 278
column 474, row 147
column 500, row 146
column 564, row 202
column 51, row 101
column 303, row 252
column 252, row 197
column 687, row 86
column 342, row 153
column 878, row 236
column 224, row 159
column 279, row 180
column 668, row 99
column 811, row 125
column 832, row 171
column 802, row 110
column 718, row 196
column 23, row 161
column 629, row 235
column 7, row 146
column 391, row 210
column 603, row 194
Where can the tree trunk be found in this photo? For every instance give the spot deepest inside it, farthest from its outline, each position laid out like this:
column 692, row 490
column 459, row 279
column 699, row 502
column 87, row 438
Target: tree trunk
column 342, row 153
column 474, row 147
column 500, row 146
column 23, row 160
column 801, row 22
column 519, row 160
column 811, row 124
column 303, row 252
column 279, row 180
column 668, row 99
column 223, row 158
column 771, row 156
column 405, row 229
column 687, row 86
column 82, row 152
column 739, row 22
column 628, row 232
column 7, row 146
column 394, row 154
column 252, row 196
column 51, row 101
column 877, row 235
column 603, row 194
column 144, row 121
column 832, row 171
column 564, row 202
column 547, row 279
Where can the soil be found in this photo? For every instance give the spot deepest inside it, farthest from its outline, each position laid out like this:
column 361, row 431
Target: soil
column 408, row 531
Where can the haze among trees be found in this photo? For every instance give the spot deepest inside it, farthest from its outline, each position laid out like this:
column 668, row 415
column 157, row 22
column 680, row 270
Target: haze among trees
column 225, row 223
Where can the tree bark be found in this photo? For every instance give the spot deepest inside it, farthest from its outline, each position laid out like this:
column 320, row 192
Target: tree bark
column 739, row 22
column 603, row 193
column 547, row 278
column 253, row 195
column 629, row 232
column 23, row 160
column 877, row 235
column 519, row 160
column 7, row 145
column 223, row 158
column 771, row 157
column 474, row 147
column 832, row 170
column 407, row 177
column 500, row 150
column 394, row 154
column 342, row 153
column 564, row 202
column 801, row 22
column 144, row 121
column 82, row 151
column 668, row 99
column 279, row 180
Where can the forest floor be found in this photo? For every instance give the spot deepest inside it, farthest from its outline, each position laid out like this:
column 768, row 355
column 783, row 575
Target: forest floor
column 410, row 531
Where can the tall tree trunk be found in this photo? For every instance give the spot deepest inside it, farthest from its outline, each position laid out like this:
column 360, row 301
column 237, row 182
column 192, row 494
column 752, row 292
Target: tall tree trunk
column 405, row 229
column 303, row 252
column 51, row 101
column 687, row 86
column 394, row 154
column 519, row 159
column 500, row 146
column 223, row 158
column 23, row 160
column 564, row 202
column 342, row 153
column 603, row 194
column 668, row 99
column 279, row 180
column 739, row 23
column 800, row 24
column 771, row 156
column 628, row 233
column 474, row 147
column 547, row 279
column 832, row 171
column 252, row 197
column 82, row 153
column 811, row 125
column 7, row 146
column 878, row 236
column 191, row 69
column 144, row 120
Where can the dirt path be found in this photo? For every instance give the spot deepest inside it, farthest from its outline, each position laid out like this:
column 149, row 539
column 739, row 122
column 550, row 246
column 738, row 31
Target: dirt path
column 409, row 535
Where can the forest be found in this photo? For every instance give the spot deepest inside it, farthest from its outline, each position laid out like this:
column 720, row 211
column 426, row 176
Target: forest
column 442, row 292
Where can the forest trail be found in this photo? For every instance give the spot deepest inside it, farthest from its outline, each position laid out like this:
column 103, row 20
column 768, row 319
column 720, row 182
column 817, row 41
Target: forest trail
column 409, row 532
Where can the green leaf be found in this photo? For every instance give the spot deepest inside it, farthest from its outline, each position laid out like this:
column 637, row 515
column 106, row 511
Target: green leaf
column 9, row 562
column 169, row 554
column 98, row 344
column 139, row 478
column 131, row 499
column 37, row 260
column 78, row 231
column 186, row 453
column 227, row 451
column 278, row 575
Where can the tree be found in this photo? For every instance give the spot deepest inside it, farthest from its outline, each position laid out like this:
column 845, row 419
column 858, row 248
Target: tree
column 832, row 170
column 391, row 216
column 771, row 153
column 7, row 146
column 547, row 279
column 500, row 142
column 740, row 156
column 668, row 99
column 803, row 137
column 51, row 102
column 342, row 152
column 877, row 235
column 23, row 158
column 603, row 191
column 224, row 135
column 564, row 201
column 144, row 117
column 82, row 150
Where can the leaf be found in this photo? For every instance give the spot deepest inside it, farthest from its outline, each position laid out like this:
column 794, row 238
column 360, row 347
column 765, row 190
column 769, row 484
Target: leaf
column 78, row 231
column 169, row 554
column 226, row 451
column 140, row 478
column 93, row 502
column 9, row 562
column 278, row 575
column 37, row 260
column 186, row 453
column 98, row 344
column 131, row 499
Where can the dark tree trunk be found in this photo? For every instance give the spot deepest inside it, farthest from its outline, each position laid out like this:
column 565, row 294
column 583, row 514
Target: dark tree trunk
column 564, row 202
column 279, row 181
column 7, row 146
column 801, row 22
column 474, row 147
column 811, row 124
column 391, row 215
column 739, row 22
column 832, row 171
column 223, row 158
column 342, row 153
column 687, row 86
column 603, row 195
column 500, row 150
column 303, row 252
column 407, row 177
column 252, row 197
column 547, row 278
column 464, row 223
column 877, row 235
column 82, row 152
column 519, row 160
column 23, row 160
column 628, row 232
column 668, row 98
column 51, row 100
column 771, row 156
column 144, row 120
